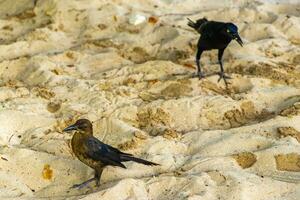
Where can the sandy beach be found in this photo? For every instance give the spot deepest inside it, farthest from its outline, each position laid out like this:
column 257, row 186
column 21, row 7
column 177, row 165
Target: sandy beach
column 128, row 66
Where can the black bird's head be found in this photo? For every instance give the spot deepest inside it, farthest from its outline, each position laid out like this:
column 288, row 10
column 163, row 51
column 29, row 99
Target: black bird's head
column 81, row 125
column 232, row 32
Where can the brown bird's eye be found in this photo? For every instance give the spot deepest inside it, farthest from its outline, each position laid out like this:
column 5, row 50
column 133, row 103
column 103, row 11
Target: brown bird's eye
column 82, row 126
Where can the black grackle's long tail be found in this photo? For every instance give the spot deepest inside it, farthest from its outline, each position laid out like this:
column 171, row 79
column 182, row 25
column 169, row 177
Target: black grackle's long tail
column 196, row 25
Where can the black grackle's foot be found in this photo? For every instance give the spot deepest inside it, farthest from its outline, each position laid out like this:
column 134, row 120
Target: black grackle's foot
column 224, row 77
column 199, row 75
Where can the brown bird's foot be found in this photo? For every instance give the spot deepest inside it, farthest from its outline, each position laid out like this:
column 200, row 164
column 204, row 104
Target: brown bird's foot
column 97, row 182
column 199, row 75
column 84, row 184
column 224, row 77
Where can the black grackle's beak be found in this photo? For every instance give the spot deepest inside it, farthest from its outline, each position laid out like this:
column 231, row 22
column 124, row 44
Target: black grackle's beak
column 70, row 128
column 238, row 39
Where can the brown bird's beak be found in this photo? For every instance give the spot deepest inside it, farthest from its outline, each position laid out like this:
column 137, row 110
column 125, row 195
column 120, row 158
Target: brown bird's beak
column 190, row 21
column 70, row 128
column 238, row 39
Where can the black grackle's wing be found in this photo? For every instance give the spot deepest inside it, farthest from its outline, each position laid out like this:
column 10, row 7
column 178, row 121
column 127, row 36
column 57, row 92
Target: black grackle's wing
column 210, row 29
column 104, row 153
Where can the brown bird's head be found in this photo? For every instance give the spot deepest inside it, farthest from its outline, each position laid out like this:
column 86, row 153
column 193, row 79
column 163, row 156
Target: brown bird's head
column 81, row 125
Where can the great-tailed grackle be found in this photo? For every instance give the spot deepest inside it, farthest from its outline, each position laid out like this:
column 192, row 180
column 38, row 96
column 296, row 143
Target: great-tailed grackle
column 95, row 153
column 214, row 35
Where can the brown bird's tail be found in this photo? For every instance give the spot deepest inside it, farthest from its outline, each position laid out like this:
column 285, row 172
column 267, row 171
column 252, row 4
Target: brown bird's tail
column 138, row 160
column 196, row 25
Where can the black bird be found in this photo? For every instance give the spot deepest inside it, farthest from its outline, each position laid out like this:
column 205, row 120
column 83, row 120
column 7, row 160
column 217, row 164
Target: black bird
column 95, row 153
column 214, row 35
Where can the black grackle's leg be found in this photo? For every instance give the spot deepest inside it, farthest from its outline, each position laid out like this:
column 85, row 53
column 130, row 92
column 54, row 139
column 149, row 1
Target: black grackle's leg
column 221, row 73
column 198, row 56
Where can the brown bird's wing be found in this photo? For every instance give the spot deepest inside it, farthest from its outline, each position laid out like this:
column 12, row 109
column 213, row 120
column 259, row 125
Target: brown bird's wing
column 104, row 153
column 109, row 155
column 117, row 150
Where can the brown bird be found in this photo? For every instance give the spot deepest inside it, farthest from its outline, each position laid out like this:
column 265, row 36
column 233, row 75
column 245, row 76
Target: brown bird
column 95, row 153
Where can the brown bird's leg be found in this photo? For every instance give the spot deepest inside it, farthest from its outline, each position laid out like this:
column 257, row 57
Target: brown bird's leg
column 98, row 174
column 85, row 183
column 221, row 73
